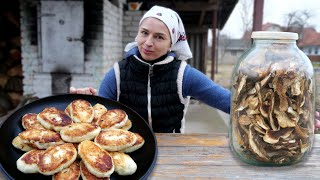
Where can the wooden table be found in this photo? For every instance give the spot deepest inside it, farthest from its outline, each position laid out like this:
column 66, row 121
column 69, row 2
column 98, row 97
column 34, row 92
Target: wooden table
column 208, row 156
column 204, row 156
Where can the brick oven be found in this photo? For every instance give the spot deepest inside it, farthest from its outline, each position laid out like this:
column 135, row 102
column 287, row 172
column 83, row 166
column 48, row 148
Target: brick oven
column 68, row 43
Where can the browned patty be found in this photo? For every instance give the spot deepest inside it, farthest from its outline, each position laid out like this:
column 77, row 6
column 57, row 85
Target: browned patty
column 115, row 118
column 98, row 161
column 70, row 173
column 27, row 163
column 19, row 144
column 127, row 126
column 29, row 121
column 81, row 111
column 53, row 118
column 123, row 163
column 99, row 109
column 115, row 139
column 139, row 143
column 40, row 138
column 56, row 158
column 86, row 175
column 78, row 132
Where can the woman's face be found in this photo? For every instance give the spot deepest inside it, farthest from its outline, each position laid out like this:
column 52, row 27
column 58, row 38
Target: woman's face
column 153, row 39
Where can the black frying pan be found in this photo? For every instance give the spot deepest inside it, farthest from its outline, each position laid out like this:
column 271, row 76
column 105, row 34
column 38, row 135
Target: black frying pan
column 145, row 157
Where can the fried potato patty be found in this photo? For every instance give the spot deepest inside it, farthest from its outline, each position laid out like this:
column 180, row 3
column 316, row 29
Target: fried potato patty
column 123, row 164
column 70, row 173
column 19, row 144
column 78, row 132
column 40, row 138
column 115, row 139
column 115, row 118
column 29, row 121
column 97, row 160
column 27, row 163
column 86, row 175
column 127, row 126
column 53, row 118
column 80, row 111
column 137, row 145
column 99, row 109
column 56, row 158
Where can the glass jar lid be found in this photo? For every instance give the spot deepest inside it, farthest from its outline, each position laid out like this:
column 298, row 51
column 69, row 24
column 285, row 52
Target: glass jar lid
column 274, row 35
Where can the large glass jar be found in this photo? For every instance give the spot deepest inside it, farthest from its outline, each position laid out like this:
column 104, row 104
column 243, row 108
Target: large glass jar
column 272, row 104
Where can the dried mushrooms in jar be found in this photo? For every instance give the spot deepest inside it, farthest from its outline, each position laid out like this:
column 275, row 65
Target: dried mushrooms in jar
column 272, row 105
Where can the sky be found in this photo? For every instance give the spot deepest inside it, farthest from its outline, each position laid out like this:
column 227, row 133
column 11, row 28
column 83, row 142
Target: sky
column 274, row 12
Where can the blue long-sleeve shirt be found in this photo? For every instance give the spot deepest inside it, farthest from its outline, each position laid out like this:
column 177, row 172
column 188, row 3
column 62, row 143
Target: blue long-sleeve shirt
column 195, row 84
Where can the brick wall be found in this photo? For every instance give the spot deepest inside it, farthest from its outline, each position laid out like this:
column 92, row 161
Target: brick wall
column 112, row 45
column 29, row 47
column 131, row 21
column 102, row 41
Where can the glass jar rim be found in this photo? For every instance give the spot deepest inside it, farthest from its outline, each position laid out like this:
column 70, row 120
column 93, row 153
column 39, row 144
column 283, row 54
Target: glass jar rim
column 274, row 35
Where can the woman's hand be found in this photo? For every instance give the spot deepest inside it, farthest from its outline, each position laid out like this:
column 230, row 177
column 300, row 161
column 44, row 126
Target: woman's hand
column 86, row 90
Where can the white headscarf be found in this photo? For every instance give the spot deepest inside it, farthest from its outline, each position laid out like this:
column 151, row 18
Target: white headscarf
column 172, row 20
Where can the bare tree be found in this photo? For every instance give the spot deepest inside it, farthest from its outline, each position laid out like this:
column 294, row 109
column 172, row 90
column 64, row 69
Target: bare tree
column 296, row 21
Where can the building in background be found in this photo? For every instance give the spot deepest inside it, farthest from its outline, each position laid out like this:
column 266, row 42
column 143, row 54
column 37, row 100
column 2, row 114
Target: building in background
column 309, row 42
column 229, row 50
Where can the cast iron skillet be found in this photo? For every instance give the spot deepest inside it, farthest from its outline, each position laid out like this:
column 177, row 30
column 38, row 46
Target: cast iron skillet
column 145, row 157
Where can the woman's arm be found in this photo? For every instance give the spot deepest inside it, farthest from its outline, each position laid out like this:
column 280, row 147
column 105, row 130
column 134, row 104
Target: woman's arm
column 108, row 86
column 200, row 87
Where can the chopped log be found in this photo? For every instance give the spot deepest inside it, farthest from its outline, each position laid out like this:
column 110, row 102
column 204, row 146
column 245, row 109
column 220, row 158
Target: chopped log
column 12, row 19
column 15, row 71
column 15, row 55
column 15, row 42
column 3, row 80
column 5, row 101
column 14, row 84
column 15, row 98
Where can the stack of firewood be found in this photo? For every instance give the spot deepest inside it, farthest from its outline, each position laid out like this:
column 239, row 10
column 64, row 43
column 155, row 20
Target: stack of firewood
column 11, row 89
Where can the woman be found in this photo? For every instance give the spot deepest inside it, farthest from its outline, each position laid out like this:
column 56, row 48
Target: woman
column 154, row 78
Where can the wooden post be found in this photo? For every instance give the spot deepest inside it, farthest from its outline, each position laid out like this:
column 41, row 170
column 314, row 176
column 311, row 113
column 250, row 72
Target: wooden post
column 213, row 46
column 257, row 15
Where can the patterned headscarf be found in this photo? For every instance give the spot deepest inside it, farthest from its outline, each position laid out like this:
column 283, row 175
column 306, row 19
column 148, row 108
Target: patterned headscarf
column 172, row 20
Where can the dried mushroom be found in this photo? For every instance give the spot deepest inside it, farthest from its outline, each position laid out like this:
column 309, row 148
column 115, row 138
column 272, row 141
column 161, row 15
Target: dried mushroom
column 254, row 144
column 271, row 110
column 273, row 137
column 284, row 120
